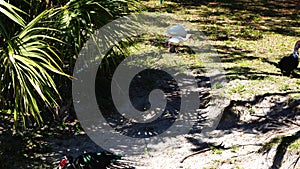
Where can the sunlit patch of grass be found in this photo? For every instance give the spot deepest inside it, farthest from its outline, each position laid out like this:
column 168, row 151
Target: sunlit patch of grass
column 295, row 96
column 270, row 144
column 197, row 64
column 238, row 167
column 237, row 89
column 245, row 64
column 249, row 32
column 215, row 161
column 216, row 150
column 218, row 85
column 247, row 44
column 234, row 149
column 284, row 87
column 251, row 111
column 295, row 145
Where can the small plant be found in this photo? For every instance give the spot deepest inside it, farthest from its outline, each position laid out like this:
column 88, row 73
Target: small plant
column 234, row 148
column 218, row 85
column 216, row 150
column 284, row 87
column 147, row 152
column 245, row 64
column 249, row 32
column 78, row 129
column 295, row 145
column 63, row 125
column 267, row 147
column 215, row 161
column 251, row 111
column 257, row 18
column 237, row 89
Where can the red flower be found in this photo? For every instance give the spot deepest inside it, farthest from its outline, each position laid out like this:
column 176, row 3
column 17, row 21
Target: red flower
column 63, row 162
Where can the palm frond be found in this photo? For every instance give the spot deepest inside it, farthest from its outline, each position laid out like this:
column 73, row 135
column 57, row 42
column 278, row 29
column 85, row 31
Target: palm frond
column 10, row 11
column 30, row 69
column 36, row 43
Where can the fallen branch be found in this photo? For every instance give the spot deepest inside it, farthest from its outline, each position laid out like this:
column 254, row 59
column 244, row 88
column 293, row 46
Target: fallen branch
column 198, row 152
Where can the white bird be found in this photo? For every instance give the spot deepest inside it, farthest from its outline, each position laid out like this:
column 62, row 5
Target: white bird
column 177, row 30
column 178, row 39
column 177, row 35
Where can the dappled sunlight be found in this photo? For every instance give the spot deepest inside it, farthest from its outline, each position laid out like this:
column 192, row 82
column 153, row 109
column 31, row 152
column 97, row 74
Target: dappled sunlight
column 218, row 98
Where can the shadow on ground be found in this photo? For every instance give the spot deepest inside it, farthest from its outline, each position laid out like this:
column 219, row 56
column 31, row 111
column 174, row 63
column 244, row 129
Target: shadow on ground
column 250, row 18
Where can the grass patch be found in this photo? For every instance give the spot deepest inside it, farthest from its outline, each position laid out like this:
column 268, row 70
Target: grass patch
column 234, row 149
column 237, row 89
column 295, row 145
column 284, row 87
column 216, row 150
column 247, row 42
column 273, row 142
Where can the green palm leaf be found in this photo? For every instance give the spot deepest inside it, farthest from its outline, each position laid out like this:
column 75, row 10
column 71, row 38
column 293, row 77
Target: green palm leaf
column 29, row 63
column 34, row 46
column 10, row 11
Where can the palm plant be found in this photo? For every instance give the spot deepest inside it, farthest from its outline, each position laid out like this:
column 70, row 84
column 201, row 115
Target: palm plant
column 34, row 47
column 27, row 62
column 78, row 19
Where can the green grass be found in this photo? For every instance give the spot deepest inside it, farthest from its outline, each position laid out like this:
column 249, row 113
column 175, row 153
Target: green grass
column 238, row 167
column 252, row 42
column 272, row 143
column 295, row 145
column 251, row 111
column 215, row 161
column 218, row 85
column 237, row 89
column 216, row 150
column 234, row 149
column 284, row 87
